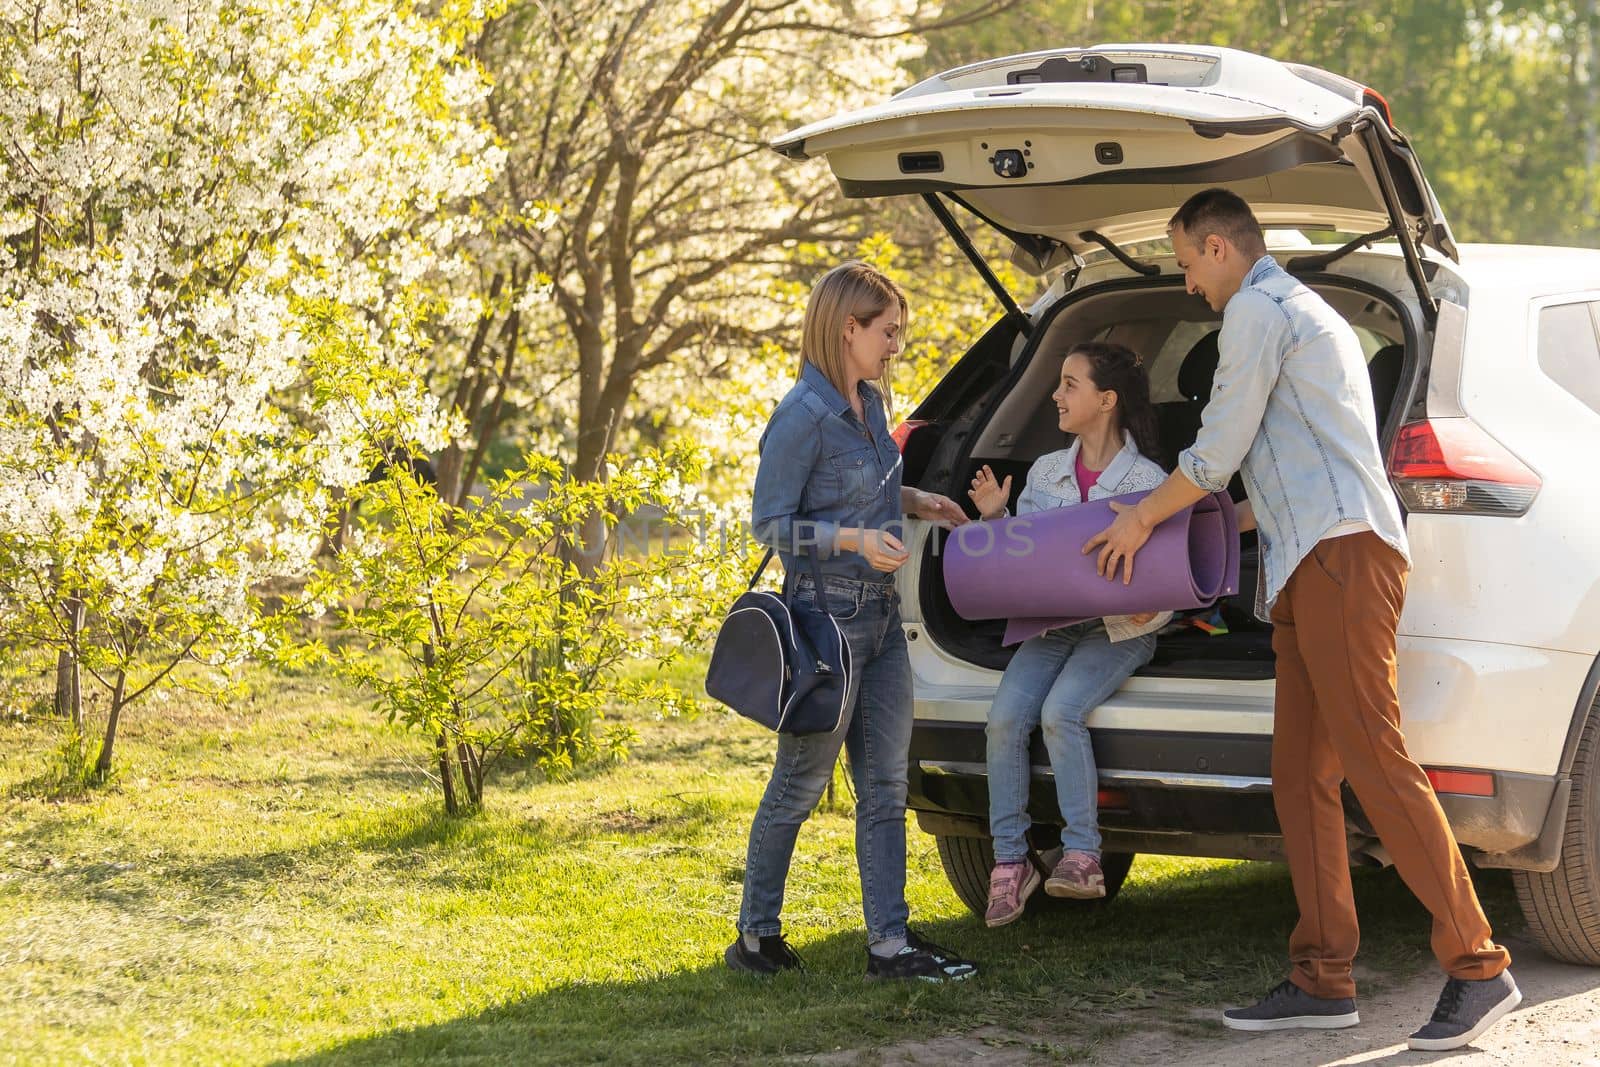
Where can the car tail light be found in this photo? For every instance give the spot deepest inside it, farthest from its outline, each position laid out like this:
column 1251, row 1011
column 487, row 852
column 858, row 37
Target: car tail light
column 1373, row 98
column 903, row 432
column 1116, row 799
column 1451, row 465
column 1466, row 783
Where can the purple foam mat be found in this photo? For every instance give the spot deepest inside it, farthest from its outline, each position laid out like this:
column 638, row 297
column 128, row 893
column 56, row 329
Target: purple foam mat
column 1031, row 570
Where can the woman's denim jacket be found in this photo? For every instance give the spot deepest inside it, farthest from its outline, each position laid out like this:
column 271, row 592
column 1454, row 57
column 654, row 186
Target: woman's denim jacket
column 822, row 469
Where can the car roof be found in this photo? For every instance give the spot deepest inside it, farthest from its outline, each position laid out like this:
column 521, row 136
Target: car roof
column 1530, row 270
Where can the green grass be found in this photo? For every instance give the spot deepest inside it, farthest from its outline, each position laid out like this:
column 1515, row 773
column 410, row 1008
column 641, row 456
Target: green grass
column 274, row 882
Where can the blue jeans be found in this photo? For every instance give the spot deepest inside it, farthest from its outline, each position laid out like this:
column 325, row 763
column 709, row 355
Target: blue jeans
column 876, row 732
column 1054, row 681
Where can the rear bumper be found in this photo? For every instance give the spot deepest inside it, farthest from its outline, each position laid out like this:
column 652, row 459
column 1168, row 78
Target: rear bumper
column 1208, row 794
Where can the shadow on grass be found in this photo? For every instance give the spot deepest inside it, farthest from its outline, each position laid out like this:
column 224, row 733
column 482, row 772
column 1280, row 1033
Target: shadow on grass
column 122, row 872
column 126, row 875
column 1171, row 944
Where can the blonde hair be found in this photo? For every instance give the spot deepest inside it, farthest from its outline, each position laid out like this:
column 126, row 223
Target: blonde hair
column 851, row 290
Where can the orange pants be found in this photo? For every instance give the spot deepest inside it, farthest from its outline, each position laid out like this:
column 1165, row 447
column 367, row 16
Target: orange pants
column 1337, row 718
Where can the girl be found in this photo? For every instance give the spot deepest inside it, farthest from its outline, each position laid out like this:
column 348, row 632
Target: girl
column 1057, row 678
column 829, row 484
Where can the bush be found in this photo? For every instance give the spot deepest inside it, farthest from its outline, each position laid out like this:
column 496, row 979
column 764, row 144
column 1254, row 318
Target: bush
column 496, row 631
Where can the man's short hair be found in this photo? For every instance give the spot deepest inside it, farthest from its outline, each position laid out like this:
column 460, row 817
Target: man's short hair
column 1220, row 212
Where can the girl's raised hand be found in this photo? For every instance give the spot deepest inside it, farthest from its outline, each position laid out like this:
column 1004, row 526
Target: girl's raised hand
column 990, row 495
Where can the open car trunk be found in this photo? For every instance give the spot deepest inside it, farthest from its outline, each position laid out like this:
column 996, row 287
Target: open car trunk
column 1070, row 151
column 997, row 411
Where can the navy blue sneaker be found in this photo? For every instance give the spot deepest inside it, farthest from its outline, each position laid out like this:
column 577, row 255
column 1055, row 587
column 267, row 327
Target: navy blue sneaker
column 923, row 960
column 775, row 955
column 1288, row 1007
column 1465, row 1010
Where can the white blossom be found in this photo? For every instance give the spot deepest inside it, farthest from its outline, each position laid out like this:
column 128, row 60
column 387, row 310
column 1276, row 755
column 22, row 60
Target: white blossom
column 213, row 217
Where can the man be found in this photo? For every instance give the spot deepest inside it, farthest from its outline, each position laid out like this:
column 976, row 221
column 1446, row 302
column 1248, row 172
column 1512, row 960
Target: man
column 1291, row 409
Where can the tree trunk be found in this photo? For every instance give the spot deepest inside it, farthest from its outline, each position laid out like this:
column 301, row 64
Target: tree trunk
column 1591, row 121
column 69, row 680
column 102, row 766
column 488, row 416
column 451, row 806
column 69, row 683
column 453, row 479
column 595, row 435
column 471, row 773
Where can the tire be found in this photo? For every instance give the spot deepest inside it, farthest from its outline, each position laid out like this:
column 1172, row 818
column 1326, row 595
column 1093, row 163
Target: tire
column 1563, row 906
column 967, row 862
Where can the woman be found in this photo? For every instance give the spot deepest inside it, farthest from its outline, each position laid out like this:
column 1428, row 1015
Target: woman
column 829, row 485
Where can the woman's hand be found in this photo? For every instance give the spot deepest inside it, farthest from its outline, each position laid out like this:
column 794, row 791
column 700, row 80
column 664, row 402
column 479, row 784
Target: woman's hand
column 880, row 548
column 935, row 508
column 1142, row 618
column 989, row 495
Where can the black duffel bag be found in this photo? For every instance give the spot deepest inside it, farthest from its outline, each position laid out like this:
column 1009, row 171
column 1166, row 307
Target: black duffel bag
column 781, row 662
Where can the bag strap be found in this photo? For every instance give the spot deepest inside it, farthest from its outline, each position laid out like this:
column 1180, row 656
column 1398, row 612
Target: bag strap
column 816, row 578
column 816, row 583
column 760, row 569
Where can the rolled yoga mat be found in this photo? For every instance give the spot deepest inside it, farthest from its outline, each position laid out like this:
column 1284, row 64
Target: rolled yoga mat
column 1031, row 570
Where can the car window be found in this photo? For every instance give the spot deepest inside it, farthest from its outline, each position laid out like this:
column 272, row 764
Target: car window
column 1169, row 359
column 1569, row 349
column 1370, row 341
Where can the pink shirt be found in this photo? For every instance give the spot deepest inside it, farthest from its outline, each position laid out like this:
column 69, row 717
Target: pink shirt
column 1086, row 477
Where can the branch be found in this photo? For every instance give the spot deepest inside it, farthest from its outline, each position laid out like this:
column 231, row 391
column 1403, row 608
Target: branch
column 911, row 29
column 129, row 698
column 795, row 228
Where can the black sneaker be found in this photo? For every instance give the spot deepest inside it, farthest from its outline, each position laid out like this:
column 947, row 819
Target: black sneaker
column 1288, row 1007
column 1466, row 1009
column 921, row 959
column 775, row 955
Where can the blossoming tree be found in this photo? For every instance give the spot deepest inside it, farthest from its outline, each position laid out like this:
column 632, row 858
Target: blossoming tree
column 206, row 209
column 668, row 237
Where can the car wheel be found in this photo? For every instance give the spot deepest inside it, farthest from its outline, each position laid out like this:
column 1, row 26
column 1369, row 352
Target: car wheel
column 967, row 862
column 1563, row 906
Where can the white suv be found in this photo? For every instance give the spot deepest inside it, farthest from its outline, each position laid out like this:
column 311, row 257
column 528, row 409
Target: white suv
column 1485, row 362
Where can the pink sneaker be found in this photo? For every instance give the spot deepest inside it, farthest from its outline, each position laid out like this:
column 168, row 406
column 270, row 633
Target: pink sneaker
column 1078, row 875
column 1010, row 886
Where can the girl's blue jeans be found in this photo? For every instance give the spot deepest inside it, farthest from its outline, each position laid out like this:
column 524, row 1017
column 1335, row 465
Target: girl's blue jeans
column 1053, row 682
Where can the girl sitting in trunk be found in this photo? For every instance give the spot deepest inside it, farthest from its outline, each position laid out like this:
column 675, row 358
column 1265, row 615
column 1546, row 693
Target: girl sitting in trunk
column 1057, row 678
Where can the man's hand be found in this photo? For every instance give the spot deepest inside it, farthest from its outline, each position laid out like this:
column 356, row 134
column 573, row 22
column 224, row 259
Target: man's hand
column 937, row 508
column 1142, row 618
column 1119, row 542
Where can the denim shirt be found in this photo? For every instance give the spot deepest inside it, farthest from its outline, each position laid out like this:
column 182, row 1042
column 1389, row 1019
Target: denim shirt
column 822, row 469
column 1291, row 410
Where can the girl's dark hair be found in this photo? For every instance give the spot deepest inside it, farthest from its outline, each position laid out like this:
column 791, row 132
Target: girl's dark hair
column 1117, row 368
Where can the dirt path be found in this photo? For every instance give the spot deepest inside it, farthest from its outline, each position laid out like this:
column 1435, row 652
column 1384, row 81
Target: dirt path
column 1557, row 1025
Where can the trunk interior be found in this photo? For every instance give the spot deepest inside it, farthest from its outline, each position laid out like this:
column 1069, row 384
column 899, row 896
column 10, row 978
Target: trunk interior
column 995, row 410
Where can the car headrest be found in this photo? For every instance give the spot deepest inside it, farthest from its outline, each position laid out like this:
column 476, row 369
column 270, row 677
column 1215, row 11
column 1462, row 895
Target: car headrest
column 1383, row 370
column 1198, row 368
